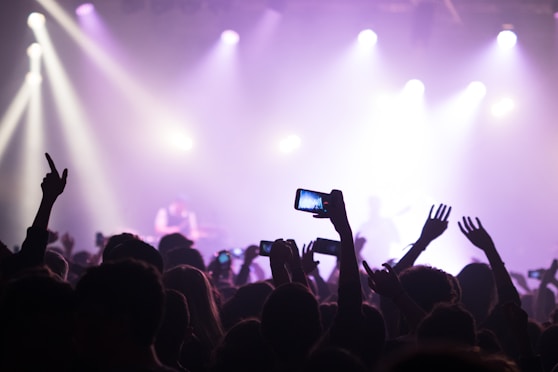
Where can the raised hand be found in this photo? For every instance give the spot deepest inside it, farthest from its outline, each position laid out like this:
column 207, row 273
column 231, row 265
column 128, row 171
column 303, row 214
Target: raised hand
column 549, row 275
column 53, row 184
column 280, row 253
column 250, row 254
column 476, row 234
column 437, row 224
column 336, row 213
column 308, row 263
column 384, row 282
column 68, row 243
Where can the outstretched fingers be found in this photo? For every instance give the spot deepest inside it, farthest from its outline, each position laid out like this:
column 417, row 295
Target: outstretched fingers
column 53, row 167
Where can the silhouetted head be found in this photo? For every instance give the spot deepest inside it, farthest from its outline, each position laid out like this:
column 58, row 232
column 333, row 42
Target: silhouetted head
column 56, row 263
column 116, row 240
column 247, row 302
column 478, row 290
column 138, row 250
column 448, row 324
column 428, row 286
column 291, row 321
column 547, row 347
column 175, row 324
column 120, row 307
column 243, row 349
column 184, row 256
column 172, row 241
column 36, row 330
column 204, row 315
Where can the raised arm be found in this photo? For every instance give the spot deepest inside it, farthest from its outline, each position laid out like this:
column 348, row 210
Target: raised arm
column 33, row 248
column 481, row 239
column 386, row 283
column 249, row 255
column 279, row 256
column 434, row 226
column 542, row 298
column 310, row 267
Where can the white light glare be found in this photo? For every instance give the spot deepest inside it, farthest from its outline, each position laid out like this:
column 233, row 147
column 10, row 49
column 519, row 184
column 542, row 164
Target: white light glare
column 179, row 141
column 414, row 87
column 476, row 90
column 367, row 38
column 36, row 20
column 35, row 51
column 289, row 144
column 503, row 107
column 507, row 39
column 33, row 79
column 230, row 37
column 85, row 9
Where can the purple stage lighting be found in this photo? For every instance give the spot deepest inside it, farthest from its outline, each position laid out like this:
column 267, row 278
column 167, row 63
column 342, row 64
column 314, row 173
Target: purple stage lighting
column 85, row 9
column 230, row 37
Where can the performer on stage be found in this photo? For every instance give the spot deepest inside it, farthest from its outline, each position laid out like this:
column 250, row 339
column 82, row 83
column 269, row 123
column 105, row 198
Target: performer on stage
column 177, row 217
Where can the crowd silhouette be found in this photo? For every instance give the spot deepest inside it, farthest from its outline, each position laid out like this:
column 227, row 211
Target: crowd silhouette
column 135, row 307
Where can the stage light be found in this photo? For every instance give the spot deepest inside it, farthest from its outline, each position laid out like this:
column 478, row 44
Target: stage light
column 414, row 88
column 179, row 141
column 476, row 90
column 367, row 38
column 85, row 9
column 289, row 144
column 36, row 20
column 507, row 38
column 33, row 79
column 503, row 107
column 35, row 51
column 230, row 37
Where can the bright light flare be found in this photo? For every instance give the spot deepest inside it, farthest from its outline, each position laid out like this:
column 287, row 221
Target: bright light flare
column 507, row 39
column 85, row 9
column 367, row 38
column 289, row 144
column 230, row 37
column 476, row 90
column 33, row 79
column 179, row 141
column 36, row 20
column 503, row 107
column 414, row 88
column 35, row 51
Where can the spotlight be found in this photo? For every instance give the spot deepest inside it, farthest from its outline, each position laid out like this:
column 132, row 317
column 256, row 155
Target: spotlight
column 507, row 38
column 367, row 38
column 189, row 6
column 476, row 89
column 36, row 20
column 230, row 37
column 33, row 79
column 502, row 107
column 84, row 9
column 414, row 88
column 35, row 51
column 289, row 144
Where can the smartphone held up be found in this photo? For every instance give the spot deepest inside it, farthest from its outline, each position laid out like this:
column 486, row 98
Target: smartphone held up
column 312, row 201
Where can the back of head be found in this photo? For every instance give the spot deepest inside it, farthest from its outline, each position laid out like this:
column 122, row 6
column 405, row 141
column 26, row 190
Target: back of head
column 116, row 240
column 291, row 321
column 36, row 332
column 184, row 256
column 428, row 286
column 547, row 347
column 172, row 241
column 120, row 304
column 448, row 324
column 247, row 302
column 175, row 323
column 138, row 250
column 478, row 290
column 197, row 289
column 243, row 349
column 56, row 263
